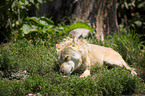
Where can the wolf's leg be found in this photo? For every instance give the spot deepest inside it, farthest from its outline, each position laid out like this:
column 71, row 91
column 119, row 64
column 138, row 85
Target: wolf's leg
column 86, row 73
column 129, row 68
column 116, row 59
column 88, row 66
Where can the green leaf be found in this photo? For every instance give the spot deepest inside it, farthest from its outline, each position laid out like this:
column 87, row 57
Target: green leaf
column 142, row 4
column 26, row 2
column 19, row 5
column 14, row 4
column 138, row 23
column 59, row 29
column 43, row 21
column 47, row 21
column 40, row 1
column 28, row 28
column 32, row 1
column 126, row 5
column 79, row 24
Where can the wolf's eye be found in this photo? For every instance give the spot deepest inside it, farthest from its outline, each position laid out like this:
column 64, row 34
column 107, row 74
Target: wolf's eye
column 66, row 58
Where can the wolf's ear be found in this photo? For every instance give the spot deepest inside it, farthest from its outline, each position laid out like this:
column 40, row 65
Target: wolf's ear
column 58, row 47
column 75, row 42
column 75, row 39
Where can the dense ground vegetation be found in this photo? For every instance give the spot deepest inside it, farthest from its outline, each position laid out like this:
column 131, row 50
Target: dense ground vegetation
column 28, row 62
column 30, row 65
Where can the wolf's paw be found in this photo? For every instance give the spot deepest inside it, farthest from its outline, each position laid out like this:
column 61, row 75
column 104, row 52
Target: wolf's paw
column 86, row 73
column 133, row 72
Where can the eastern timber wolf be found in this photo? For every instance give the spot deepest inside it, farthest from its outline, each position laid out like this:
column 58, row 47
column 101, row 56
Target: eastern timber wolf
column 75, row 53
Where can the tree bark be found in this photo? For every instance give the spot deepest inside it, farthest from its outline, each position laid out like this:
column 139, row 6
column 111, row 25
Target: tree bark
column 101, row 14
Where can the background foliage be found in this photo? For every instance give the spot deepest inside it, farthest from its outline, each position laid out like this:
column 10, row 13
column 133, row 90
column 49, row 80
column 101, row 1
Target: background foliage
column 131, row 14
column 12, row 14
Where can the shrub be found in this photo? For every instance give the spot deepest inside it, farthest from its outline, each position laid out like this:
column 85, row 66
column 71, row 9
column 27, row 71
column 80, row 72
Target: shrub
column 12, row 15
column 12, row 88
column 108, row 82
column 23, row 55
column 118, row 81
column 43, row 29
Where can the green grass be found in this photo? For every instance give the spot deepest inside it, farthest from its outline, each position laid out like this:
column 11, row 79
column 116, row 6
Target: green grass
column 25, row 56
column 40, row 61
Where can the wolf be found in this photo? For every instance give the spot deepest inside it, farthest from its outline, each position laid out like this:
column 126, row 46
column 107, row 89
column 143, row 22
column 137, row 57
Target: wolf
column 76, row 54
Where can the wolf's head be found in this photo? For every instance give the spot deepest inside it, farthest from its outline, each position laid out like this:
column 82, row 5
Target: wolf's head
column 69, row 57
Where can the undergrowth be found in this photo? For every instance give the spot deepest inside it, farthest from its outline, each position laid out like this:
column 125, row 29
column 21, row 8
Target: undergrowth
column 41, row 64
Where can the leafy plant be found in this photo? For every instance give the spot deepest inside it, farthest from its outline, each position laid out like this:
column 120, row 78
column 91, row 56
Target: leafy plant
column 126, row 42
column 129, row 45
column 12, row 14
column 23, row 55
column 40, row 29
column 130, row 14
column 117, row 81
column 108, row 82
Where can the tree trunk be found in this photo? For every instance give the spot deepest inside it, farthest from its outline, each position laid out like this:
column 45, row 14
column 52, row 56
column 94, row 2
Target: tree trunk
column 101, row 14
